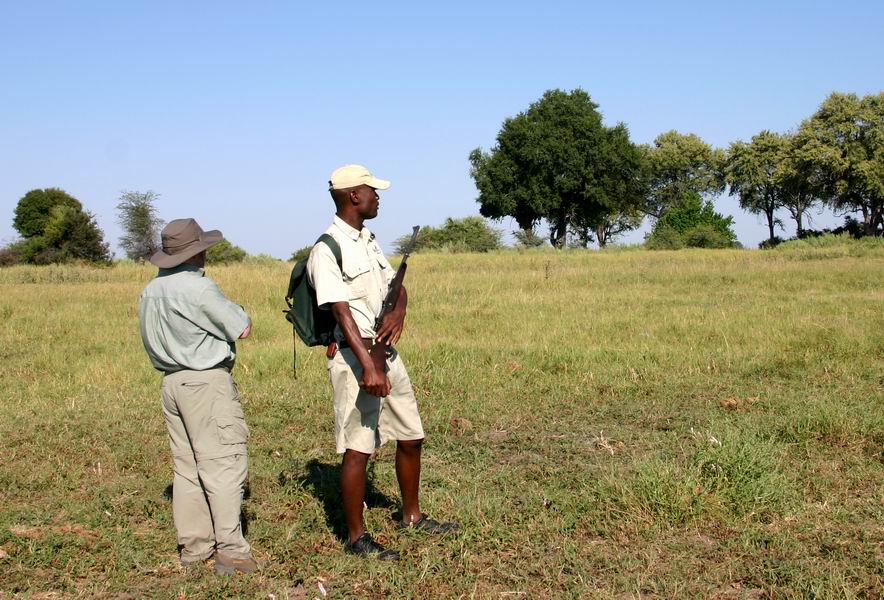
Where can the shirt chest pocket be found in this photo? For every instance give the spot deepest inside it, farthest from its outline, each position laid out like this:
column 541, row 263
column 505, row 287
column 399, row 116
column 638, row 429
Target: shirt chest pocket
column 357, row 278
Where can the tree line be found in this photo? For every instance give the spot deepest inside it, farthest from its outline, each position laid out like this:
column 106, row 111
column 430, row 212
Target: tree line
column 55, row 228
column 557, row 163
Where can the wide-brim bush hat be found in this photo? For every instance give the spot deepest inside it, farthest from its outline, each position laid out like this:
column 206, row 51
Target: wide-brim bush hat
column 183, row 239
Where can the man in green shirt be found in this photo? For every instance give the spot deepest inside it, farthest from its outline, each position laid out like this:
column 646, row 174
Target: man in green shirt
column 189, row 330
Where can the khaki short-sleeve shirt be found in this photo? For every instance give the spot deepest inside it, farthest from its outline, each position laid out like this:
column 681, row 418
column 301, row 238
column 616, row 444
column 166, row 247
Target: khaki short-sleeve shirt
column 362, row 280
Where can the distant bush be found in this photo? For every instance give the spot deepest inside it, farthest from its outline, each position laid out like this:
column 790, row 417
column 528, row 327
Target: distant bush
column 771, row 243
column 261, row 259
column 528, row 238
column 12, row 254
column 301, row 254
column 470, row 234
column 225, row 252
column 706, row 236
column 694, row 224
column 830, row 240
column 831, row 246
column 850, row 230
column 852, row 227
column 664, row 238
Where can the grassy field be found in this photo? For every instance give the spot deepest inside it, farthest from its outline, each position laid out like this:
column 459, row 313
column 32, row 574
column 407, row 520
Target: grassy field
column 621, row 424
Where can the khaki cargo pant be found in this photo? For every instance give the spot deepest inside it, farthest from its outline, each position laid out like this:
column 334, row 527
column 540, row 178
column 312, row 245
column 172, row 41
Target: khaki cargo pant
column 207, row 435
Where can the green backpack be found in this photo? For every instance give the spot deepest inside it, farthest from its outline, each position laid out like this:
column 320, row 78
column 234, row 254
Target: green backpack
column 314, row 326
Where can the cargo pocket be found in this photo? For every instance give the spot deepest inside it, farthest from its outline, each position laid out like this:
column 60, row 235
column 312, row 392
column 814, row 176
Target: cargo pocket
column 232, row 430
column 230, row 420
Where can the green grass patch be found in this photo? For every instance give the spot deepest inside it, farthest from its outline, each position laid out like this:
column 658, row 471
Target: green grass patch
column 603, row 424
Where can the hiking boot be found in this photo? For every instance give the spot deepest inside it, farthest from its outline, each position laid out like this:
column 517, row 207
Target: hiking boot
column 225, row 565
column 366, row 546
column 428, row 525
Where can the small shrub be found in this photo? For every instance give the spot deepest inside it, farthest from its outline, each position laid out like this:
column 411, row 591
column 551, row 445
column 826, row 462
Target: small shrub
column 301, row 254
column 664, row 238
column 693, row 223
column 13, row 254
column 262, row 258
column 771, row 243
column 225, row 252
column 470, row 234
column 818, row 241
column 706, row 236
column 528, row 238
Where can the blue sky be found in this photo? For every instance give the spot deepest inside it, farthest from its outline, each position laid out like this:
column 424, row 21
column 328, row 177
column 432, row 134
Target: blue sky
column 236, row 113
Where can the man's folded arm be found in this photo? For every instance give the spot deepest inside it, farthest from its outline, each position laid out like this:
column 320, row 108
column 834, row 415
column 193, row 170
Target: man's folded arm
column 223, row 318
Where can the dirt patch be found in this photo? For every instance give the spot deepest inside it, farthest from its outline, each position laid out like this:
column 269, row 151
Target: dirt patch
column 737, row 590
column 735, row 403
column 460, row 427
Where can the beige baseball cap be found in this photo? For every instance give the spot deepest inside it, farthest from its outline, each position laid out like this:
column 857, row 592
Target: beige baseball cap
column 350, row 176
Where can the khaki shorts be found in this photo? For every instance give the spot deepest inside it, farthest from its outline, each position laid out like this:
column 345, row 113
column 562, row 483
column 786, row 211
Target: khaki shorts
column 364, row 422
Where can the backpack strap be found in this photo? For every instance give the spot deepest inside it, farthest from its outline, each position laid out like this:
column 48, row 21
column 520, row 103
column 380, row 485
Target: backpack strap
column 332, row 243
column 299, row 270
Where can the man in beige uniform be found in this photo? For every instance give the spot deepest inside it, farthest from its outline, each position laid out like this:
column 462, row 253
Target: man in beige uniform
column 189, row 330
column 370, row 407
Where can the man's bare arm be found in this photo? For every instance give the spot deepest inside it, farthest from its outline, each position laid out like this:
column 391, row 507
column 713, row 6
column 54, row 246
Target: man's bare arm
column 374, row 382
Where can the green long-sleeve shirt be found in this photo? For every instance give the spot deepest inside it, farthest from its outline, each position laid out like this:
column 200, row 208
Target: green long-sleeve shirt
column 187, row 323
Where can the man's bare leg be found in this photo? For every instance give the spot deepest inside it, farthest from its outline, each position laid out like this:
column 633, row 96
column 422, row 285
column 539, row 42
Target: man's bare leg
column 353, row 491
column 408, row 473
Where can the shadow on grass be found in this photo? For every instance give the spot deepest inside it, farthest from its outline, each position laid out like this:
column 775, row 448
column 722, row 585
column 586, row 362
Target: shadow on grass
column 323, row 481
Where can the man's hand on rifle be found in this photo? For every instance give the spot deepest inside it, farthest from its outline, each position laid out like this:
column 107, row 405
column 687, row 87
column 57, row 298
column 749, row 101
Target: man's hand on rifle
column 394, row 321
column 391, row 330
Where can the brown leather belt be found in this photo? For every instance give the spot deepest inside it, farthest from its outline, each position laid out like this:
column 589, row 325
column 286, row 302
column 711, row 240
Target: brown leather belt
column 367, row 342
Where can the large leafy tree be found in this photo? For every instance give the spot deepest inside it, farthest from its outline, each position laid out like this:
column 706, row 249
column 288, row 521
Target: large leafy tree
column 847, row 136
column 557, row 162
column 680, row 164
column 73, row 234
column 34, row 210
column 799, row 175
column 56, row 229
column 751, row 171
column 141, row 224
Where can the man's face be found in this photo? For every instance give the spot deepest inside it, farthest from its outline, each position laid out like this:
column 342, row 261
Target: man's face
column 368, row 201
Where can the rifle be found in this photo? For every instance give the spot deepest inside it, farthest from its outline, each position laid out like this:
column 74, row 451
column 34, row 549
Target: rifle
column 377, row 352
